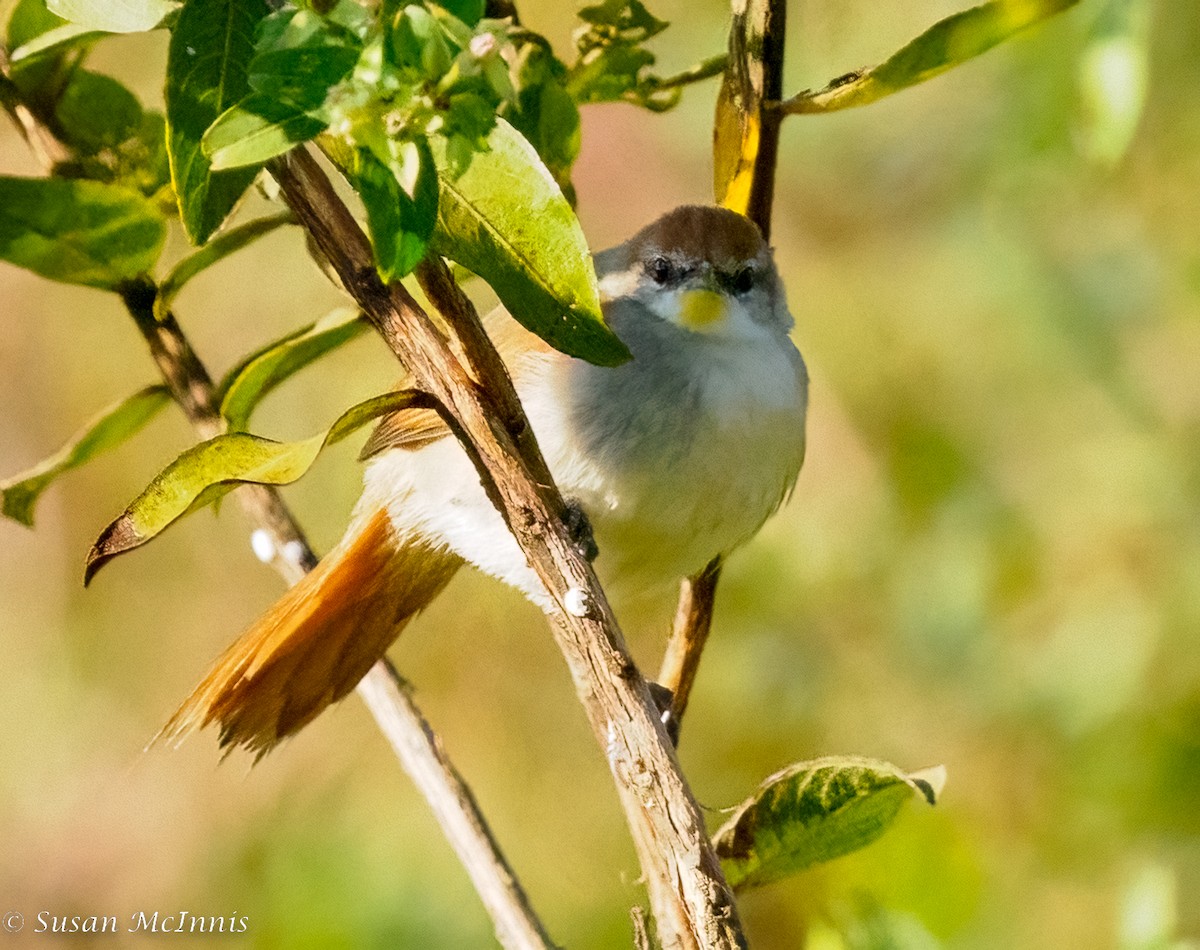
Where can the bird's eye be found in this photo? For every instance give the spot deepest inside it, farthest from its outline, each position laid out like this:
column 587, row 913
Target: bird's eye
column 742, row 281
column 659, row 270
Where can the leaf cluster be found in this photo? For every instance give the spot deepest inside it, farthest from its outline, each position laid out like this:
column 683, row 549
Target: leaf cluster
column 449, row 126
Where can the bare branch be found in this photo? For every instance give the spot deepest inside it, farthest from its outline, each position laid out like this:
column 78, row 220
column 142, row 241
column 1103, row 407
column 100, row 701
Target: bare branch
column 413, row 741
column 421, row 753
column 693, row 621
column 683, row 873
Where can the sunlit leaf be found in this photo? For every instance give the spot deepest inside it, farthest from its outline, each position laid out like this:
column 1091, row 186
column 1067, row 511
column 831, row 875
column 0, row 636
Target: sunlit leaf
column 208, row 471
column 33, row 33
column 114, row 16
column 117, row 423
column 506, row 219
column 249, row 382
column 216, row 250
column 207, row 61
column 299, row 57
column 813, row 812
column 78, row 232
column 257, row 129
column 943, row 46
column 69, row 34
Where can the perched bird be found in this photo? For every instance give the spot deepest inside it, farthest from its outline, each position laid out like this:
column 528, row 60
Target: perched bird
column 677, row 456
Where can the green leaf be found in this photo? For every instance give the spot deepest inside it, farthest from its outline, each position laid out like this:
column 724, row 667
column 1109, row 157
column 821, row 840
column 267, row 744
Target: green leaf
column 401, row 199
column 813, row 812
column 544, row 112
column 248, row 383
column 419, row 41
column 78, row 232
column 29, row 20
column 505, row 219
column 36, row 39
column 116, row 424
column 300, row 56
column 257, row 129
column 943, row 46
column 469, row 11
column 96, row 111
column 211, row 47
column 611, row 58
column 114, row 16
column 69, row 34
column 208, row 471
column 216, row 250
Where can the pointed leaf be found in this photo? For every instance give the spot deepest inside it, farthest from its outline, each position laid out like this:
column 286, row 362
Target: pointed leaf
column 943, row 46
column 246, row 385
column 207, row 64
column 401, row 198
column 78, row 232
column 216, row 250
column 114, row 16
column 300, row 56
column 33, row 29
column 257, row 129
column 19, row 494
column 69, row 34
column 506, row 219
column 816, row 811
column 208, row 471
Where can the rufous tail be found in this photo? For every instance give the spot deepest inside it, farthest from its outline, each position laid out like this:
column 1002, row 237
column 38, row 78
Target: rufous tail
column 319, row 640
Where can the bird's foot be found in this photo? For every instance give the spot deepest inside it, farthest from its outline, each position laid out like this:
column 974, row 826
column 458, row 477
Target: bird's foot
column 580, row 529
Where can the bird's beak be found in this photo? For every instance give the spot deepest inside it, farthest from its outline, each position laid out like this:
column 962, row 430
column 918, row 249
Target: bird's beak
column 702, row 309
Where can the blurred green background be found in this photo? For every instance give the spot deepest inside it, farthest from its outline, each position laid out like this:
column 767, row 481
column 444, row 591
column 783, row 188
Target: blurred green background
column 992, row 559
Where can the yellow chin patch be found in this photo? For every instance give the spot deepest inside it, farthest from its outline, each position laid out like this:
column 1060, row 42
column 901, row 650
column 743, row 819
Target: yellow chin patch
column 702, row 310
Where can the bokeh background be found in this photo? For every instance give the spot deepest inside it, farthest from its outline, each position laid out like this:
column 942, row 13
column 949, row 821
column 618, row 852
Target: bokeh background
column 992, row 560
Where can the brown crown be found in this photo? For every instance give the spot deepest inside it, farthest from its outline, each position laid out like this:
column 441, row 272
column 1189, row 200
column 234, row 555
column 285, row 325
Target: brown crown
column 702, row 232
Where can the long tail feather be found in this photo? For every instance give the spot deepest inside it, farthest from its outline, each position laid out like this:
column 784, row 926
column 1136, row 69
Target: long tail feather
column 314, row 645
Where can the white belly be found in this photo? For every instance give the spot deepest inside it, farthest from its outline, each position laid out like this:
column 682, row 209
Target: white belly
column 667, row 487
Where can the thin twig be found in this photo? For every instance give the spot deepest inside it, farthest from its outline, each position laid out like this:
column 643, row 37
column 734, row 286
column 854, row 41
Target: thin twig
column 681, row 868
column 693, row 621
column 413, row 741
column 705, row 69
column 387, row 696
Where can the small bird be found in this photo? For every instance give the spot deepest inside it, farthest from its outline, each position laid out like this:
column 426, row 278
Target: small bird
column 676, row 456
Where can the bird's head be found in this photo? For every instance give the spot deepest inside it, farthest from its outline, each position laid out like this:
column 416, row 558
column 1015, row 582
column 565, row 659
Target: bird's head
column 704, row 269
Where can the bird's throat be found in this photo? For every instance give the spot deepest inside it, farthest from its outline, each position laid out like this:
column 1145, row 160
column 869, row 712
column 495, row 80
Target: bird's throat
column 702, row 310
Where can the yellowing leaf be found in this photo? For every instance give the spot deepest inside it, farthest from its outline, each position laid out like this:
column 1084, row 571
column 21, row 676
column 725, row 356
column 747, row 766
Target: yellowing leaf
column 206, row 472
column 943, row 46
column 19, row 494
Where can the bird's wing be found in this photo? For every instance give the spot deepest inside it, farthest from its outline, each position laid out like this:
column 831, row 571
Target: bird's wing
column 413, row 429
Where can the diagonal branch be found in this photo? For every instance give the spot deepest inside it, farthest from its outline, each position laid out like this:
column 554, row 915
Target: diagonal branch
column 688, row 890
column 413, row 741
